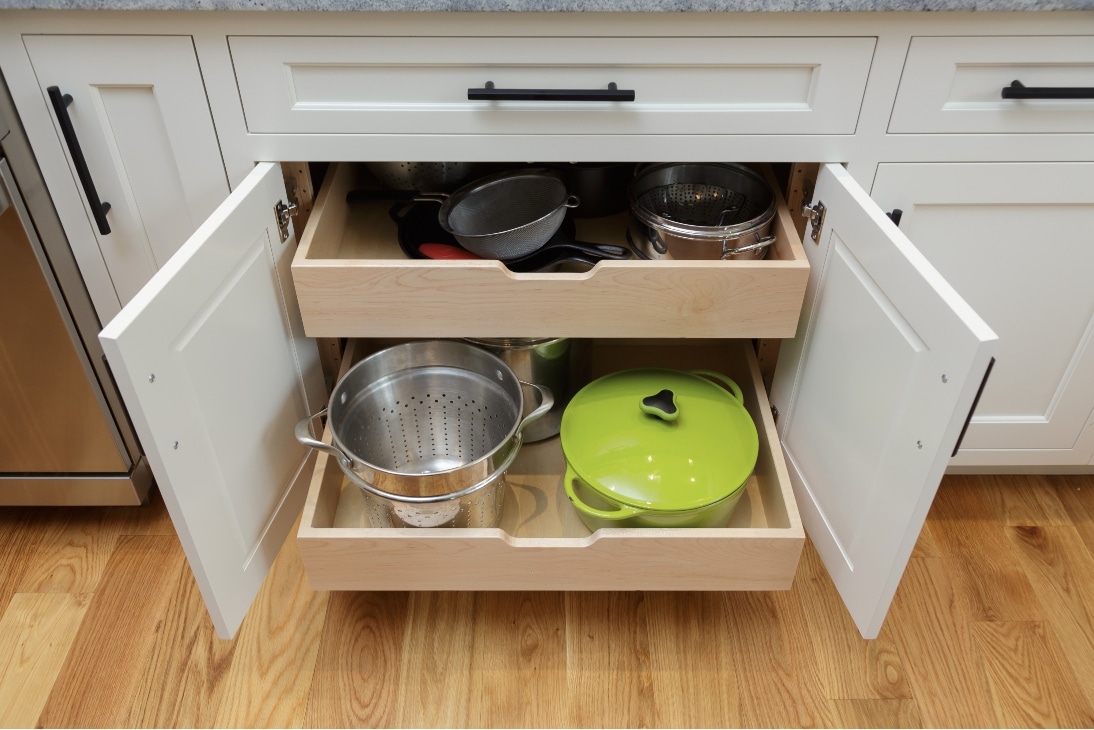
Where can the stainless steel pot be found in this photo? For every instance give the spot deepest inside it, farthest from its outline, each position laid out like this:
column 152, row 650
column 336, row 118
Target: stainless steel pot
column 556, row 363
column 425, row 423
column 703, row 211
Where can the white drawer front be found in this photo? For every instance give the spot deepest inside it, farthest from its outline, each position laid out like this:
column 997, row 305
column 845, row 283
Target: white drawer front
column 954, row 85
column 682, row 86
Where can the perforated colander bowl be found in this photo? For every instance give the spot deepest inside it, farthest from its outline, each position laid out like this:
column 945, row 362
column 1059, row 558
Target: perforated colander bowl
column 425, row 422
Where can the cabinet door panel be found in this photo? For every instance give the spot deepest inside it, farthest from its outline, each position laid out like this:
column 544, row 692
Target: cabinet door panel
column 872, row 393
column 140, row 112
column 1014, row 240
column 213, row 366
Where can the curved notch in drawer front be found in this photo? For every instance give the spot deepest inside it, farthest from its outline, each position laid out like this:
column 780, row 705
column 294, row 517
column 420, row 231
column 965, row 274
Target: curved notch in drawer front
column 955, row 86
column 353, row 280
column 681, row 85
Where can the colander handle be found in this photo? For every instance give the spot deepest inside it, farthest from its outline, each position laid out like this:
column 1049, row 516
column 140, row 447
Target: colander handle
column 546, row 403
column 304, row 436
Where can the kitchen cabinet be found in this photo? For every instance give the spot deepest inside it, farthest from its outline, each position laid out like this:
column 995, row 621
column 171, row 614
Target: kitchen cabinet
column 221, row 439
column 142, row 123
column 879, row 367
column 1025, row 219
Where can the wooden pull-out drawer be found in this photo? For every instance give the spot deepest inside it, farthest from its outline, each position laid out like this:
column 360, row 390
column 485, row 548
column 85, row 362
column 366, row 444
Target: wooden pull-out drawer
column 682, row 85
column 955, row 85
column 542, row 544
column 353, row 280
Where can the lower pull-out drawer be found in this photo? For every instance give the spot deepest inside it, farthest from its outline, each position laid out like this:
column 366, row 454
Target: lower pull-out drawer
column 541, row 543
column 353, row 280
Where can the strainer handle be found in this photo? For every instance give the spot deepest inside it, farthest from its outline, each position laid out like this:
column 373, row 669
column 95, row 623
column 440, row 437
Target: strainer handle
column 546, row 403
column 304, row 436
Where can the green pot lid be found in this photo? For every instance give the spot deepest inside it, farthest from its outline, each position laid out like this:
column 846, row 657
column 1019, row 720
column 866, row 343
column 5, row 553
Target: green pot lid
column 664, row 440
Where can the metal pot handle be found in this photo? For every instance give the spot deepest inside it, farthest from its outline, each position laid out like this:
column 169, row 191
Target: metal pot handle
column 546, row 403
column 304, row 436
column 734, row 389
column 761, row 242
column 622, row 513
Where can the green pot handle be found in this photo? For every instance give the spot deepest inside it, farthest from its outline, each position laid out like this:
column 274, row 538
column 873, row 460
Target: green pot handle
column 622, row 513
column 725, row 380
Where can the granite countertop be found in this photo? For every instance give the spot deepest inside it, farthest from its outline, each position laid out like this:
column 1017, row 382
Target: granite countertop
column 588, row 6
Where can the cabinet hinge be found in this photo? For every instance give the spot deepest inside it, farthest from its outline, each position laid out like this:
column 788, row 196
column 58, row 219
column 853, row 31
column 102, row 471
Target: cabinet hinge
column 283, row 212
column 815, row 215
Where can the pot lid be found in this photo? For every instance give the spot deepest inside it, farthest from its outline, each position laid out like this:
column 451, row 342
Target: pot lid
column 664, row 440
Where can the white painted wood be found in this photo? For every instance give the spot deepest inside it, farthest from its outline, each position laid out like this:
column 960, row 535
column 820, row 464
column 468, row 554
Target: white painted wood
column 1014, row 240
column 140, row 112
column 215, row 371
column 954, row 85
column 420, row 85
column 872, row 392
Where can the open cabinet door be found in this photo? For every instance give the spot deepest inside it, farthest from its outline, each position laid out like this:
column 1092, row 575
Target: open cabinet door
column 872, row 393
column 215, row 371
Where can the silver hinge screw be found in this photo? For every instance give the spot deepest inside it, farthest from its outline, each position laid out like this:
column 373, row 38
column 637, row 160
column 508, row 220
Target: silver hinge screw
column 176, row 446
column 152, row 378
column 919, row 444
column 944, row 378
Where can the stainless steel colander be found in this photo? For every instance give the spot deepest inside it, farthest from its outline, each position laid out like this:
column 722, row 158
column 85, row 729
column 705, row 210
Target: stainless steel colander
column 424, row 423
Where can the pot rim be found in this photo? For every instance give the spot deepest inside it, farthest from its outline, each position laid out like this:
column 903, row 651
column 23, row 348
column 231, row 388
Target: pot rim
column 687, row 230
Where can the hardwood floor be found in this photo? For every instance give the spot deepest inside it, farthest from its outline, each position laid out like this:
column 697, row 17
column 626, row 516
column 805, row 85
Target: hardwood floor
column 101, row 625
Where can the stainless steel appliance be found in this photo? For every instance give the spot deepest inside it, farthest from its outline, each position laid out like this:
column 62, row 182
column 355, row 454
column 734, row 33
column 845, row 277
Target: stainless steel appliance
column 65, row 438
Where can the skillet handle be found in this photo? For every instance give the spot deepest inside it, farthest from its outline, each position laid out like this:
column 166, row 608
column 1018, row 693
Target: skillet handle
column 304, row 435
column 725, row 380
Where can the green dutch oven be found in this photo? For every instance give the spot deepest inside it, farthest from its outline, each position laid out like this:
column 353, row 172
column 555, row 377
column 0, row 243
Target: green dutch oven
column 658, row 448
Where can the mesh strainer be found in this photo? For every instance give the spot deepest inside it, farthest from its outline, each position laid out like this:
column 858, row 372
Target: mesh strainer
column 508, row 215
column 426, row 421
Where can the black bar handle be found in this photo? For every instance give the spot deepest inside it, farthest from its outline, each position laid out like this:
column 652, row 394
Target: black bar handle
column 972, row 409
column 60, row 108
column 1018, row 90
column 489, row 93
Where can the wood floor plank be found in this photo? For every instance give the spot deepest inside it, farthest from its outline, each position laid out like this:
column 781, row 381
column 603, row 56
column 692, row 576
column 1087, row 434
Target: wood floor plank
column 36, row 632
column 1020, row 499
column 182, row 683
column 772, row 647
column 270, row 676
column 357, row 668
column 1062, row 573
column 877, row 713
column 609, row 673
column 72, row 553
column 21, row 530
column 1031, row 681
column 849, row 666
column 695, row 681
column 518, row 660
column 434, row 675
column 1076, row 494
column 988, row 576
column 117, row 635
column 948, row 681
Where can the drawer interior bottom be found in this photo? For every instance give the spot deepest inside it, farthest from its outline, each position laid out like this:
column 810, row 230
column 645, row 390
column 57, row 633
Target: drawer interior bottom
column 541, row 537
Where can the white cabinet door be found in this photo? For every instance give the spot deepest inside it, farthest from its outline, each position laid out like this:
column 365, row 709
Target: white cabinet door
column 214, row 368
column 142, row 119
column 872, row 394
column 1015, row 240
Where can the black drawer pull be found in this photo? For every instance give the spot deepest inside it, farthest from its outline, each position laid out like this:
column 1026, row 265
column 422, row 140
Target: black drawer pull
column 972, row 409
column 1018, row 90
column 60, row 108
column 489, row 93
